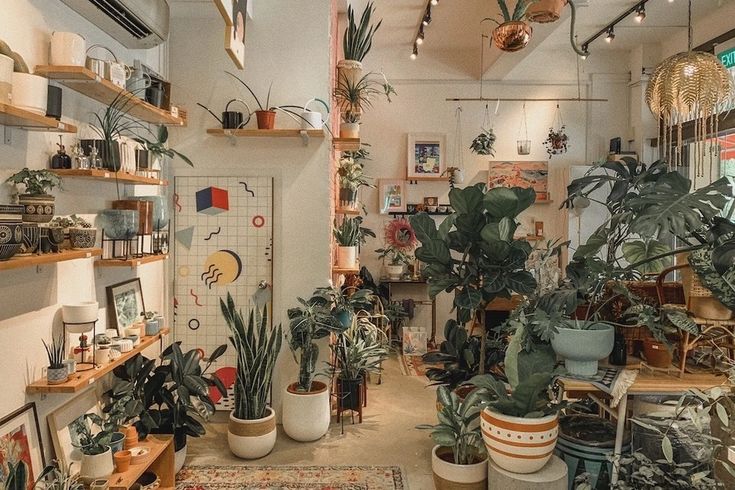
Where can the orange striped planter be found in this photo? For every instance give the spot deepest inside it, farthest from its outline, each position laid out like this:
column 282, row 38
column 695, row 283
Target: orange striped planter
column 519, row 445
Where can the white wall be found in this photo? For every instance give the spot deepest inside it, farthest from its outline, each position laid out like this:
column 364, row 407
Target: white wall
column 30, row 299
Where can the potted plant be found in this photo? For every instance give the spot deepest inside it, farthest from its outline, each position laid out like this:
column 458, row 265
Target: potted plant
column 95, row 448
column 484, row 143
column 459, row 459
column 56, row 372
column 357, row 41
column 81, row 233
column 251, row 431
column 38, row 203
column 306, row 403
column 56, row 477
column 400, row 239
column 151, row 323
column 397, row 260
column 343, row 306
column 349, row 234
column 355, row 95
column 513, row 34
column 349, row 128
column 159, row 148
column 351, row 178
column 556, row 141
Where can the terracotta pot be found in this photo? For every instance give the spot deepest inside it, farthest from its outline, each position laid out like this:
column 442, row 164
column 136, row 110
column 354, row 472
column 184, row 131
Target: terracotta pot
column 657, row 354
column 545, row 11
column 512, row 36
column 122, row 461
column 266, row 119
column 349, row 130
column 145, row 213
column 450, row 476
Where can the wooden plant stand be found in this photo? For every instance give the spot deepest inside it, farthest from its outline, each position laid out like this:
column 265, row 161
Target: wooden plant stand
column 159, row 461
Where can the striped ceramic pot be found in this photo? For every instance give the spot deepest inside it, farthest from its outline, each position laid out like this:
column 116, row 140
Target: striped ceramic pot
column 517, row 444
column 252, row 439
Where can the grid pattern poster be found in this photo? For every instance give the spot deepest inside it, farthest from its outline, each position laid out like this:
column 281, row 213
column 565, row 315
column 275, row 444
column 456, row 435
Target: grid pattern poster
column 223, row 244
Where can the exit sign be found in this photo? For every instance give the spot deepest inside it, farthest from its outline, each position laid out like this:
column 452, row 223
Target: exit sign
column 728, row 58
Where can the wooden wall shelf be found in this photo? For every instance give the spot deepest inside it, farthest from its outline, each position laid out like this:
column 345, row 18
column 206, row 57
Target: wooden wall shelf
column 21, row 118
column 339, row 270
column 266, row 133
column 346, row 211
column 346, row 144
column 109, row 176
column 132, row 263
column 81, row 379
column 51, row 258
column 86, row 82
column 159, row 461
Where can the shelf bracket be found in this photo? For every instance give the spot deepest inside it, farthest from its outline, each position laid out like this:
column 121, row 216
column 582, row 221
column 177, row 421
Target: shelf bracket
column 7, row 135
column 304, row 137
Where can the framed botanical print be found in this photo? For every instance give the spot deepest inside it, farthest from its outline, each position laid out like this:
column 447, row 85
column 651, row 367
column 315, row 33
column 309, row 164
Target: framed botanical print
column 21, row 449
column 235, row 33
column 125, row 304
column 64, row 424
column 391, row 196
column 426, row 155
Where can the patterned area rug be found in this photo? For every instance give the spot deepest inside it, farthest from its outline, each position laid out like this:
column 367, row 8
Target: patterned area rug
column 211, row 477
column 414, row 366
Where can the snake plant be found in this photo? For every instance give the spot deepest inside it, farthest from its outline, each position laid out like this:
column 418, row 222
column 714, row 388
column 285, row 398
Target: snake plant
column 358, row 39
column 257, row 350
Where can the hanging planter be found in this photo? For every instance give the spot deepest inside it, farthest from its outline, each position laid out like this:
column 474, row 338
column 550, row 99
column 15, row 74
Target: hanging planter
column 484, row 143
column 523, row 143
column 556, row 141
column 544, row 11
column 513, row 34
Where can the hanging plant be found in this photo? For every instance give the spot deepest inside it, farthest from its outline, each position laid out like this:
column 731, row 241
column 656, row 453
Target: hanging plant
column 556, row 141
column 484, row 143
column 523, row 144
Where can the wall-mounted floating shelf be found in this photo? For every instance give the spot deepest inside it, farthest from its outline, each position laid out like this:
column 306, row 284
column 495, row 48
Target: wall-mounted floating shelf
column 544, row 201
column 339, row 270
column 81, row 379
column 416, row 180
column 132, row 262
column 347, row 211
column 45, row 259
column 533, row 238
column 346, row 144
column 21, row 118
column 109, row 176
column 87, row 82
column 304, row 134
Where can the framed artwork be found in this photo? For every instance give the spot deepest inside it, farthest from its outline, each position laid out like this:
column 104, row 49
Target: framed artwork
column 392, row 196
column 235, row 32
column 426, row 155
column 521, row 174
column 125, row 303
column 21, row 449
column 225, row 9
column 64, row 424
column 431, row 201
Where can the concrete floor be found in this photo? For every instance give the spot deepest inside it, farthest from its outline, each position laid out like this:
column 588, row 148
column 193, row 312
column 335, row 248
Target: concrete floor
column 387, row 435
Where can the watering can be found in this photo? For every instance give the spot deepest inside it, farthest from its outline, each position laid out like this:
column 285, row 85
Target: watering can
column 312, row 119
column 231, row 119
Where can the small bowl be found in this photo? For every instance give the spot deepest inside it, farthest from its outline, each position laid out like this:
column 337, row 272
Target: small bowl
column 139, row 454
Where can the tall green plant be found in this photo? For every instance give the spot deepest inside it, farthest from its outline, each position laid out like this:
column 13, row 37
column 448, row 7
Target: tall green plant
column 358, row 39
column 350, row 232
column 257, row 351
column 358, row 350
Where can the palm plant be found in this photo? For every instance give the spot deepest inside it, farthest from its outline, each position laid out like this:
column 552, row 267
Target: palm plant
column 358, row 39
column 355, row 96
column 350, row 233
column 257, row 351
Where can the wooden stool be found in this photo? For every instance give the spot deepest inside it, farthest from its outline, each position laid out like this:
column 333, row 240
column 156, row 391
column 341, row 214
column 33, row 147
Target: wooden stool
column 553, row 476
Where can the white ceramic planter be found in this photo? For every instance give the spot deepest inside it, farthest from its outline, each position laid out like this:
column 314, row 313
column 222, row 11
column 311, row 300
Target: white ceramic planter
column 347, row 257
column 30, row 92
column 519, row 445
column 6, row 78
column 85, row 312
column 582, row 348
column 306, row 416
column 349, row 130
column 252, row 439
column 97, row 465
column 450, row 476
column 68, row 49
column 394, row 271
column 180, row 459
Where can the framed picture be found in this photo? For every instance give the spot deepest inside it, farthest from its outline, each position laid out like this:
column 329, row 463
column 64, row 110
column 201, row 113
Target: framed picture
column 21, row 449
column 125, row 304
column 391, row 196
column 225, row 9
column 64, row 424
column 426, row 155
column 235, row 33
column 431, row 201
column 521, row 174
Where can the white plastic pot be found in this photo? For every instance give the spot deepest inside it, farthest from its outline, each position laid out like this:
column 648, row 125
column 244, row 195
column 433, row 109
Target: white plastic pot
column 6, row 78
column 306, row 415
column 349, row 130
column 252, row 439
column 394, row 271
column 68, row 49
column 347, row 257
column 97, row 465
column 30, row 92
column 85, row 312
column 450, row 476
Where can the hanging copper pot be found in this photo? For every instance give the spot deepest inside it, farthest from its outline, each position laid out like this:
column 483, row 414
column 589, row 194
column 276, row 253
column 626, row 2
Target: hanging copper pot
column 512, row 36
column 545, row 11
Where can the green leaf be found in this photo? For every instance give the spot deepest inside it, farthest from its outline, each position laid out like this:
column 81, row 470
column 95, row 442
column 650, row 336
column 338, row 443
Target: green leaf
column 424, row 226
column 667, row 449
column 521, row 282
column 467, row 200
column 468, row 298
column 722, row 414
column 503, row 202
column 644, row 251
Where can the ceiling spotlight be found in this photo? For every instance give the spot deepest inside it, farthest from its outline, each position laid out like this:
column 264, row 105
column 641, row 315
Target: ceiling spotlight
column 420, row 37
column 640, row 13
column 585, row 52
column 610, row 35
column 415, row 52
column 427, row 16
column 435, row 2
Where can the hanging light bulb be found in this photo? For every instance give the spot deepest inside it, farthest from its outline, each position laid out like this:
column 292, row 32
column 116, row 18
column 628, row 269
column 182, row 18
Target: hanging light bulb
column 420, row 37
column 415, row 52
column 640, row 14
column 610, row 35
column 435, row 2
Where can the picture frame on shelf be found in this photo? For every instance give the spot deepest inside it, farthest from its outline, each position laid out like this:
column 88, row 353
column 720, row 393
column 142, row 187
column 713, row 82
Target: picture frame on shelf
column 125, row 303
column 235, row 32
column 64, row 423
column 21, row 447
column 391, row 196
column 426, row 157
column 431, row 201
column 520, row 174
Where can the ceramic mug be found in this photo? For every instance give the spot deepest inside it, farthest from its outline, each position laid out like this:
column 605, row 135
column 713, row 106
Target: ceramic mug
column 68, row 49
column 102, row 355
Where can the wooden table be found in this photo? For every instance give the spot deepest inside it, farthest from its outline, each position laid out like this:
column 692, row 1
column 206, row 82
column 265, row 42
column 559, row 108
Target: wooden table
column 431, row 301
column 646, row 383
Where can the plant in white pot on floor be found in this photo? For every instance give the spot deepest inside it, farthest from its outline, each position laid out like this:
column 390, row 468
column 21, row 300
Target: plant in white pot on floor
column 351, row 179
column 306, row 408
column 349, row 235
column 459, row 459
column 251, row 432
column 357, row 41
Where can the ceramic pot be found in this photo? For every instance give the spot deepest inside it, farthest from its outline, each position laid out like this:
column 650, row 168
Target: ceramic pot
column 252, row 439
column 37, row 208
column 350, row 392
column 349, row 130
column 51, row 238
column 56, row 376
column 82, row 238
column 6, row 79
column 345, row 318
column 11, row 233
column 68, row 49
column 102, row 355
column 180, row 458
column 517, row 444
column 85, row 312
column 122, row 460
column 349, row 71
column 131, row 437
column 31, row 239
column 657, row 354
column 394, row 271
column 152, row 327
column 347, row 198
column 145, row 213
column 306, row 415
column 160, row 210
column 582, row 348
column 266, row 119
column 119, row 224
column 544, row 11
column 30, row 92
column 97, row 465
column 116, row 442
column 8, row 250
column 450, row 476
column 512, row 36
column 347, row 257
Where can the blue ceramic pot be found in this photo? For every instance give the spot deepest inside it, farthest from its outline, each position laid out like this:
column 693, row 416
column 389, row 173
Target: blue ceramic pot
column 118, row 224
column 581, row 348
column 344, row 317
